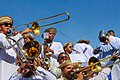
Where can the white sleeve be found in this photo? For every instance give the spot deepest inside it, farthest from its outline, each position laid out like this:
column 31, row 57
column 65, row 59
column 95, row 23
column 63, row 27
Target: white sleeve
column 46, row 74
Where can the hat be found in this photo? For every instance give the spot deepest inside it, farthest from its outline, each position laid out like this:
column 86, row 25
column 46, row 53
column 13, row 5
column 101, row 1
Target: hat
column 66, row 44
column 51, row 30
column 66, row 63
column 84, row 41
column 28, row 35
column 6, row 19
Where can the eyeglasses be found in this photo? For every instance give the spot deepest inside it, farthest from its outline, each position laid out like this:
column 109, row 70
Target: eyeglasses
column 63, row 57
column 7, row 24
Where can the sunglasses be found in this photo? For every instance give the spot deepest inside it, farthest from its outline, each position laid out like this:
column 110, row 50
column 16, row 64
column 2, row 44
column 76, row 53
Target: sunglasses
column 7, row 24
column 62, row 57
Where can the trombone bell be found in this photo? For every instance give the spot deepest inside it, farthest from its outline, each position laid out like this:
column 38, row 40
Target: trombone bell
column 35, row 28
column 97, row 67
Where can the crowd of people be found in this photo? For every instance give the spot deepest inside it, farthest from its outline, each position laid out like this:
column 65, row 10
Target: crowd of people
column 54, row 61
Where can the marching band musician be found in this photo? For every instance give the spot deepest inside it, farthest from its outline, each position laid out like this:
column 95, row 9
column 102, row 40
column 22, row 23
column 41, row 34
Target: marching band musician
column 50, row 48
column 68, row 47
column 61, row 58
column 32, row 71
column 28, row 37
column 7, row 50
column 116, row 67
column 54, row 47
column 84, row 48
column 6, row 23
column 68, row 72
column 108, row 45
column 67, row 68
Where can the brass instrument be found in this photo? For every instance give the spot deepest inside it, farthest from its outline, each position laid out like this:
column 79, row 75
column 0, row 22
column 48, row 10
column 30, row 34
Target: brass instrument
column 46, row 59
column 95, row 64
column 31, row 49
column 35, row 26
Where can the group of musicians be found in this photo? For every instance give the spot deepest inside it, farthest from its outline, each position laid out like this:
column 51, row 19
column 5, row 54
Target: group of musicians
column 51, row 60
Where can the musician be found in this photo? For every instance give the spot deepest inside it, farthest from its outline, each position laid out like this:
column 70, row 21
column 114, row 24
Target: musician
column 84, row 48
column 50, row 45
column 68, row 47
column 28, row 37
column 116, row 67
column 111, row 33
column 32, row 71
column 61, row 58
column 107, row 45
column 50, row 48
column 7, row 52
column 67, row 69
column 69, row 72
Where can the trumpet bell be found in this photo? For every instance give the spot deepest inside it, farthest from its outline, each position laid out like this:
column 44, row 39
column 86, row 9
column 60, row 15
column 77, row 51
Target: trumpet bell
column 35, row 28
column 32, row 49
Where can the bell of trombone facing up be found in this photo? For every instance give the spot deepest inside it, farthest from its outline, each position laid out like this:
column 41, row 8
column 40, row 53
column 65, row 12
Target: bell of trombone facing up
column 35, row 28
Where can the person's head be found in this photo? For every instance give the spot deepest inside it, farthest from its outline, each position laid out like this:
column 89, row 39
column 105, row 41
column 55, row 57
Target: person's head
column 51, row 33
column 68, row 47
column 6, row 23
column 84, row 41
column 67, row 69
column 102, row 36
column 111, row 32
column 63, row 57
column 28, row 37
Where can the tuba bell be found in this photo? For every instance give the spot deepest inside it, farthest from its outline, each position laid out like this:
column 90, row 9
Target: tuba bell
column 31, row 49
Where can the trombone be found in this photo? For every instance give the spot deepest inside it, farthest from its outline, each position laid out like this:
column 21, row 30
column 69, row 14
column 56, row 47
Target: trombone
column 95, row 64
column 35, row 26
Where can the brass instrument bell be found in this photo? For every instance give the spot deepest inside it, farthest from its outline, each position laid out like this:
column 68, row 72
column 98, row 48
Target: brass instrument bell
column 32, row 49
column 35, row 28
column 97, row 67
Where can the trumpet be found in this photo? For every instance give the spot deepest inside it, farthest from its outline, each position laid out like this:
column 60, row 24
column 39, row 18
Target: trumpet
column 35, row 26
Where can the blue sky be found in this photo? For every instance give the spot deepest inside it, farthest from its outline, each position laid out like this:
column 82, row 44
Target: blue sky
column 88, row 17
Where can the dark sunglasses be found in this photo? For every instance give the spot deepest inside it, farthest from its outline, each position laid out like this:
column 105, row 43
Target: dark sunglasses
column 7, row 24
column 62, row 57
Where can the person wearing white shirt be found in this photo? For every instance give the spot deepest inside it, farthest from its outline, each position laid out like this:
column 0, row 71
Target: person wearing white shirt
column 32, row 71
column 84, row 48
column 108, row 46
column 50, row 48
column 7, row 50
column 116, row 67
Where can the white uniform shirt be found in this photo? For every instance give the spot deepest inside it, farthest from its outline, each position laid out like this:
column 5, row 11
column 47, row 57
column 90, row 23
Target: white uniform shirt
column 106, row 50
column 57, row 47
column 42, row 74
column 7, row 53
column 84, row 49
